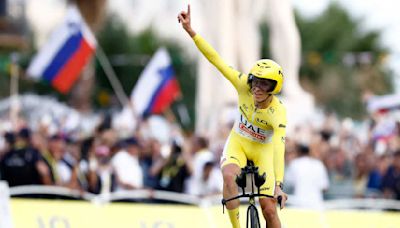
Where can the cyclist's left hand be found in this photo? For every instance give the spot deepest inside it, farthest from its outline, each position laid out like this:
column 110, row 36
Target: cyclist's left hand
column 279, row 192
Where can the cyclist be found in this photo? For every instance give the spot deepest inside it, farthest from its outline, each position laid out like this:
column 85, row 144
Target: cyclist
column 259, row 131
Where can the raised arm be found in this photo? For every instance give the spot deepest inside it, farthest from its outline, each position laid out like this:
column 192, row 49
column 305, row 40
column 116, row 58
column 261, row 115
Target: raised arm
column 208, row 51
column 184, row 19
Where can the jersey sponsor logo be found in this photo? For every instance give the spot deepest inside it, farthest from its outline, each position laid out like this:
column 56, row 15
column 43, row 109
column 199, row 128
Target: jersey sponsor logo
column 245, row 107
column 261, row 121
column 264, row 189
column 272, row 110
column 252, row 132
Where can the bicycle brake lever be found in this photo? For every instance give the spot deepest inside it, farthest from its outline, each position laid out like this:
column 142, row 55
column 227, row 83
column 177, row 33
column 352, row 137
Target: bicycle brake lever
column 280, row 202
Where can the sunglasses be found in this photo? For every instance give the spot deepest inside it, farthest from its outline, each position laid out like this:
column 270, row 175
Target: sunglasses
column 263, row 84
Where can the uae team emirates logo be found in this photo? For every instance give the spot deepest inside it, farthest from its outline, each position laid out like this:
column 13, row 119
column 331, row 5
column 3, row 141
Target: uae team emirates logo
column 247, row 129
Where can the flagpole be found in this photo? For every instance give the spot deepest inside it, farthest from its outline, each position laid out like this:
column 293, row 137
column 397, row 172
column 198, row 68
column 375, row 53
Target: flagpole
column 112, row 77
column 14, row 90
column 183, row 113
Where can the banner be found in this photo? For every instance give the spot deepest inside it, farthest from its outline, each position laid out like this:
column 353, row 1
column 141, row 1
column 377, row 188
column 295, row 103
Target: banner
column 75, row 214
column 61, row 60
column 157, row 86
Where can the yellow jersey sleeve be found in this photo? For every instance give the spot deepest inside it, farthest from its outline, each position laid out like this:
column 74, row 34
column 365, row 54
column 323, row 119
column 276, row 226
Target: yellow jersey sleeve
column 279, row 144
column 213, row 57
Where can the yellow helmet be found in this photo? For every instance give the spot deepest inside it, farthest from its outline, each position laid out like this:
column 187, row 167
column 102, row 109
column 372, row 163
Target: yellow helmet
column 267, row 69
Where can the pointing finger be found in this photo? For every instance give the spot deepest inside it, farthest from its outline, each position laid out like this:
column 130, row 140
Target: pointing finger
column 184, row 15
column 180, row 18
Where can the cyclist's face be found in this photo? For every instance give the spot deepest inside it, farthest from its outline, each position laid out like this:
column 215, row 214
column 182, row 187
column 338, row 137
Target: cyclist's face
column 264, row 85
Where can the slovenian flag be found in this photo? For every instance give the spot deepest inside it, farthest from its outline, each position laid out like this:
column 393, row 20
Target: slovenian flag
column 62, row 58
column 157, row 86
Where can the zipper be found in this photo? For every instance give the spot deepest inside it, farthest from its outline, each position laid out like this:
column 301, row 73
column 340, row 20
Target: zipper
column 254, row 113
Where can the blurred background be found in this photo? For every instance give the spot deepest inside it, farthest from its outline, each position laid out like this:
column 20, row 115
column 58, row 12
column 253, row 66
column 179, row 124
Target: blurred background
column 107, row 108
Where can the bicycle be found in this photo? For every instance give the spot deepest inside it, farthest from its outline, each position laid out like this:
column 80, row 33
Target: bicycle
column 257, row 180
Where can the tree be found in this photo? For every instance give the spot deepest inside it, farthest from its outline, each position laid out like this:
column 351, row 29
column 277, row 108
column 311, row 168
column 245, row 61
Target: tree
column 340, row 61
column 129, row 54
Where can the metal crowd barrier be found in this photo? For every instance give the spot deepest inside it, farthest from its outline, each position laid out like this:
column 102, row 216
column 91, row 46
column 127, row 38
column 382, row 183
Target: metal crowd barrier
column 146, row 194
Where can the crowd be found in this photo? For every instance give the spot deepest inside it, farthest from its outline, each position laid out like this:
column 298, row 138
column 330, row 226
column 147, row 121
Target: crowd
column 339, row 160
column 332, row 160
column 106, row 162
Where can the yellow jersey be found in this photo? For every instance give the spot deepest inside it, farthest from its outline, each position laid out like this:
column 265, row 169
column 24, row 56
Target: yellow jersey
column 258, row 134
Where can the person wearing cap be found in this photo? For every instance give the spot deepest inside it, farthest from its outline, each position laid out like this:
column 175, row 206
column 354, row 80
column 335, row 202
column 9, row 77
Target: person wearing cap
column 23, row 164
column 9, row 142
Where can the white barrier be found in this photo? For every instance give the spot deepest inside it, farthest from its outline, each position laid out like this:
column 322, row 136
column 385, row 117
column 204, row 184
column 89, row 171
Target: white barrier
column 375, row 204
column 145, row 194
column 5, row 212
column 50, row 190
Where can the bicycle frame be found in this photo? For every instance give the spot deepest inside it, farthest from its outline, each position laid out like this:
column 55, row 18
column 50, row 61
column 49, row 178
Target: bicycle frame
column 252, row 170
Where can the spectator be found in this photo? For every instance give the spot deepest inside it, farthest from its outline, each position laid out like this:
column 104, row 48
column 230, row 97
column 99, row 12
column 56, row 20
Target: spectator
column 96, row 165
column 202, row 155
column 362, row 169
column 9, row 143
column 321, row 146
column 173, row 171
column 84, row 173
column 148, row 159
column 73, row 159
column 62, row 169
column 126, row 165
column 210, row 182
column 391, row 180
column 308, row 176
column 376, row 175
column 101, row 175
column 23, row 164
column 340, row 173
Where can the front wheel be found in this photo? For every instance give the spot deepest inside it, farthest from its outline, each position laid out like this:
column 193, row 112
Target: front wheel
column 252, row 215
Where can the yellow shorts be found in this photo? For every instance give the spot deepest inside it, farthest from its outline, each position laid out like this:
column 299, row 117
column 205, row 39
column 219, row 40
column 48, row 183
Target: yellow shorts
column 238, row 150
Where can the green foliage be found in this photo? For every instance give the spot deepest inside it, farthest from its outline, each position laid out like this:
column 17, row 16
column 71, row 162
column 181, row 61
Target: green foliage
column 129, row 54
column 340, row 61
column 25, row 85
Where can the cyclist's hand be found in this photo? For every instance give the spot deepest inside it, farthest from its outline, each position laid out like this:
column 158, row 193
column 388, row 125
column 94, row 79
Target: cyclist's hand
column 280, row 193
column 184, row 19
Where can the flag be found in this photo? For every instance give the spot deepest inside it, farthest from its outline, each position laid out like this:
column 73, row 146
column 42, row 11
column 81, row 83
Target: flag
column 62, row 58
column 385, row 102
column 157, row 86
